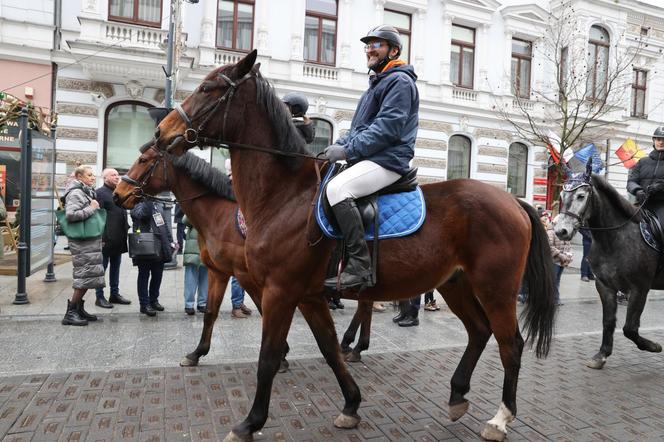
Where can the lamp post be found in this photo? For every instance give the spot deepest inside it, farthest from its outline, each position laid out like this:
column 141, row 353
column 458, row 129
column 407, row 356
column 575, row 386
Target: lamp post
column 22, row 249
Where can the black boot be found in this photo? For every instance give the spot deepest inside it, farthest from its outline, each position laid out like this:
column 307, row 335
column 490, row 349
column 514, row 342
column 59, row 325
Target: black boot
column 357, row 273
column 403, row 311
column 411, row 319
column 87, row 316
column 73, row 317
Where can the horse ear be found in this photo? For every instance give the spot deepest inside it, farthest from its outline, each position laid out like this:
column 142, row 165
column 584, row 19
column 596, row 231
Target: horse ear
column 244, row 66
column 589, row 169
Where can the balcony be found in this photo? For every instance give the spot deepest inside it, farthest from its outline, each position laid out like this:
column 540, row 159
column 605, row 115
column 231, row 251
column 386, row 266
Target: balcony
column 460, row 94
column 523, row 104
column 320, row 72
column 134, row 36
column 223, row 57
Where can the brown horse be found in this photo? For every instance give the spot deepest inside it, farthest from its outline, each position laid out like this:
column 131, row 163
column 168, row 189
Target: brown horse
column 475, row 246
column 204, row 194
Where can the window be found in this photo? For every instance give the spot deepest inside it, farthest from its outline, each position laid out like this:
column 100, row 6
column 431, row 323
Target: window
column 521, row 60
column 639, row 78
column 517, row 169
column 401, row 22
column 458, row 157
column 323, row 136
column 143, row 12
column 128, row 125
column 598, row 63
column 235, row 24
column 320, row 31
column 462, row 59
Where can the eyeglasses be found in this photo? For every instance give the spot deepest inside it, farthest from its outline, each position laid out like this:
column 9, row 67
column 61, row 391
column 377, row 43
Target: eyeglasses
column 373, row 46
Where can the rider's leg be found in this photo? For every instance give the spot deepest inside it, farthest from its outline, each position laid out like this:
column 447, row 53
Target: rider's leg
column 363, row 178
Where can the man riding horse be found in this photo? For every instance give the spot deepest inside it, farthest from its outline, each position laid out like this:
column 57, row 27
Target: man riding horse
column 646, row 179
column 378, row 146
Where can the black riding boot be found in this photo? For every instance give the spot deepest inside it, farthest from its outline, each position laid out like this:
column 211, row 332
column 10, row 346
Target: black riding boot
column 404, row 307
column 73, row 317
column 85, row 315
column 357, row 273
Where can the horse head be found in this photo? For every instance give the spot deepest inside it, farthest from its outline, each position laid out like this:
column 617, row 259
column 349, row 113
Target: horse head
column 148, row 176
column 575, row 203
column 208, row 114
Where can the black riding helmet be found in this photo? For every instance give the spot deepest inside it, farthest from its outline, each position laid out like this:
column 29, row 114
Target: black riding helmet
column 390, row 35
column 659, row 133
column 298, row 103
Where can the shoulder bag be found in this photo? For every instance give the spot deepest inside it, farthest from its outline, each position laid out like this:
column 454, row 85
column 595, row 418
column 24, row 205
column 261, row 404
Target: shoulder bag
column 91, row 227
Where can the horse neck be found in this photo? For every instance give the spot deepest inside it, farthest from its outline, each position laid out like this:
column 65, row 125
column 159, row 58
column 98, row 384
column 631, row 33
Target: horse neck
column 604, row 215
column 262, row 183
column 197, row 209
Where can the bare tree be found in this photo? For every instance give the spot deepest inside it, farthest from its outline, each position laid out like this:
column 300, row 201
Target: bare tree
column 588, row 84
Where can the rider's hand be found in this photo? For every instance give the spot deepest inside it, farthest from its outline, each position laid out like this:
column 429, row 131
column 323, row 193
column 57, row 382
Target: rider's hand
column 335, row 153
column 656, row 187
column 640, row 196
column 94, row 204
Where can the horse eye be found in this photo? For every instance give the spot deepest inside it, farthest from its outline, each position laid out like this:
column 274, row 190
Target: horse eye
column 580, row 197
column 142, row 160
column 205, row 89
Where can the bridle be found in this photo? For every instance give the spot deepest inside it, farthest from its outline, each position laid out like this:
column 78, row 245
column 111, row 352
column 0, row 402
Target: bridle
column 139, row 183
column 576, row 184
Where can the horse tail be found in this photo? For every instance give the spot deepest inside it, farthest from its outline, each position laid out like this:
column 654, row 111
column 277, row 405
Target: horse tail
column 539, row 312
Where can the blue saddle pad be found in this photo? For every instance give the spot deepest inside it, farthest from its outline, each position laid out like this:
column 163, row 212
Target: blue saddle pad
column 399, row 214
column 648, row 237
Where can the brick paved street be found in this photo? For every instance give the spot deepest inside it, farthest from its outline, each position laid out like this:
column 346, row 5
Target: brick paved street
column 404, row 399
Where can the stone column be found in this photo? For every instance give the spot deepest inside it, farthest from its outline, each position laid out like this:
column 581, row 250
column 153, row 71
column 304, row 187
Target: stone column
column 344, row 34
column 417, row 42
column 507, row 69
column 208, row 33
column 481, row 53
column 379, row 12
column 446, row 48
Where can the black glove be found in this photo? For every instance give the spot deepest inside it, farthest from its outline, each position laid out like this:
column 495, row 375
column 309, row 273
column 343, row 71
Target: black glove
column 640, row 196
column 655, row 187
column 335, row 153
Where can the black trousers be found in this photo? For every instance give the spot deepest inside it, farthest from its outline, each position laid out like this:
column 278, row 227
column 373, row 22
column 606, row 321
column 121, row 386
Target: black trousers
column 149, row 281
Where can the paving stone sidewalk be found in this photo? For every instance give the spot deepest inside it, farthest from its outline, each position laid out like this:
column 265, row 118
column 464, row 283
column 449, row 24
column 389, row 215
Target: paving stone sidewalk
column 405, row 395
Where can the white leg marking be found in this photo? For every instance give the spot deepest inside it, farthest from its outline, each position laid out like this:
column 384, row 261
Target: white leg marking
column 502, row 418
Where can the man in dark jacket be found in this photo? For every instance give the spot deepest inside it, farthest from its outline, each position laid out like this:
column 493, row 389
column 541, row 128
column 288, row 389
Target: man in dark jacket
column 379, row 147
column 114, row 240
column 646, row 179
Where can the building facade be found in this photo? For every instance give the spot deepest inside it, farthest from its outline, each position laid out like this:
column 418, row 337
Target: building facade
column 476, row 61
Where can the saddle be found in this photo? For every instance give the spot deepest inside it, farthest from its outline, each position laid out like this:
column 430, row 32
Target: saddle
column 651, row 230
column 394, row 211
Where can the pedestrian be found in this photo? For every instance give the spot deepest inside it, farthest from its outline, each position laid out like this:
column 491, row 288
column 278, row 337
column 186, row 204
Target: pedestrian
column 378, row 148
column 114, row 239
column 195, row 272
column 178, row 214
column 86, row 255
column 408, row 312
column 561, row 253
column 148, row 216
column 430, row 302
column 237, row 300
column 646, row 180
column 586, row 272
column 3, row 218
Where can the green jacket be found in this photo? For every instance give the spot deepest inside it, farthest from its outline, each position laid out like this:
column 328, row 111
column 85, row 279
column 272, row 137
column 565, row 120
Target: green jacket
column 191, row 253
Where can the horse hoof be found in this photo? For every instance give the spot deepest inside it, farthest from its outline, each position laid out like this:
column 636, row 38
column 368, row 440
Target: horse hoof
column 232, row 437
column 596, row 363
column 458, row 410
column 492, row 432
column 283, row 366
column 346, row 350
column 353, row 357
column 345, row 421
column 186, row 362
column 654, row 348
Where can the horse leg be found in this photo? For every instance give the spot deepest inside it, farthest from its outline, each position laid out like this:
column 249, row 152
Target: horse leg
column 364, row 314
column 216, row 287
column 318, row 317
column 284, row 365
column 637, row 301
column 609, row 306
column 351, row 331
column 278, row 310
column 462, row 302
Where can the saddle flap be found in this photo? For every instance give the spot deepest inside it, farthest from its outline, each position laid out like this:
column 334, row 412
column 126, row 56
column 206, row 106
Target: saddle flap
column 406, row 183
column 651, row 230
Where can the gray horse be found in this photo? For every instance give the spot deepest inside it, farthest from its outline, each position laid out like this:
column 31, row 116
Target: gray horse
column 619, row 257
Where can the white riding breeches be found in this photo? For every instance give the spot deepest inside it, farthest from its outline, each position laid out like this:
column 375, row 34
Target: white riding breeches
column 362, row 179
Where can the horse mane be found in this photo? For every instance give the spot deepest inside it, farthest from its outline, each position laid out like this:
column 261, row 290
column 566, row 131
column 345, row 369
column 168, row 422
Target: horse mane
column 203, row 173
column 289, row 138
column 614, row 198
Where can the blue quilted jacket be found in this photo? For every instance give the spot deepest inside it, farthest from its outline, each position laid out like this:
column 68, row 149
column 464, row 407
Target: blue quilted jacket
column 384, row 126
